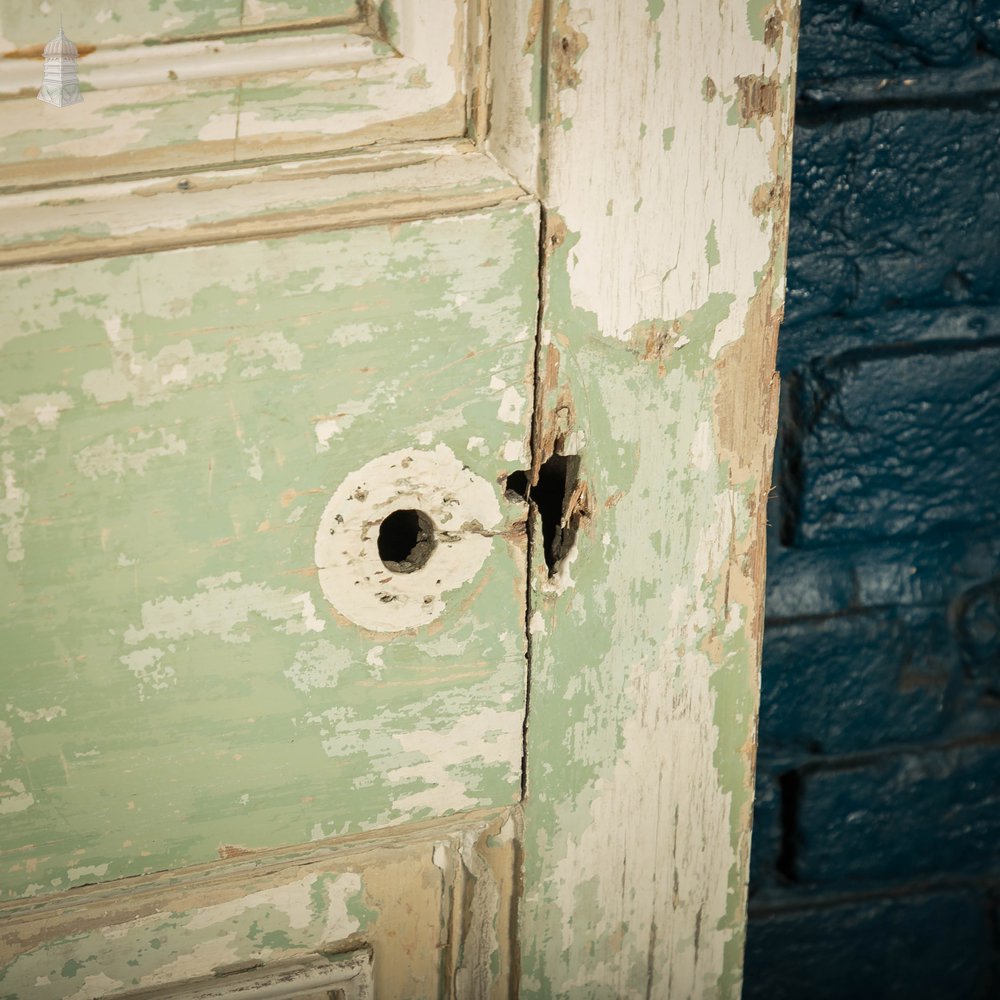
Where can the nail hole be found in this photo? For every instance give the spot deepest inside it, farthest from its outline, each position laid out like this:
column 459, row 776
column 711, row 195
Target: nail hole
column 406, row 540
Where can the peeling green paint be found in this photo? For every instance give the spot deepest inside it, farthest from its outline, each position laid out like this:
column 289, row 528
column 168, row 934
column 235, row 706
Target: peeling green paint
column 33, row 24
column 141, row 953
column 712, row 247
column 168, row 456
column 668, row 138
column 757, row 17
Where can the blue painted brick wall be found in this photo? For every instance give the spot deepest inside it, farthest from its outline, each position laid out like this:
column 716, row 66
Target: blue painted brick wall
column 875, row 869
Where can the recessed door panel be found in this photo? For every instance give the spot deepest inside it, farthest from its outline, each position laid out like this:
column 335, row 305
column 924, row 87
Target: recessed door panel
column 200, row 452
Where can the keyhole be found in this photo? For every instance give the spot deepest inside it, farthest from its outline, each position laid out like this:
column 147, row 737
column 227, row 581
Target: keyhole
column 406, row 540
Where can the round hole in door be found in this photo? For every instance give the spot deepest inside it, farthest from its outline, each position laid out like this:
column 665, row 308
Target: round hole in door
column 406, row 540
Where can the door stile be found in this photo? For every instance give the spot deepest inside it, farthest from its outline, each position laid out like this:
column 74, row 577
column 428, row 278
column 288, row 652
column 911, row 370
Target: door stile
column 664, row 195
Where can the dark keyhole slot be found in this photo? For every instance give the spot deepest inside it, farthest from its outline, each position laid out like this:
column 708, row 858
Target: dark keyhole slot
column 406, row 540
column 558, row 477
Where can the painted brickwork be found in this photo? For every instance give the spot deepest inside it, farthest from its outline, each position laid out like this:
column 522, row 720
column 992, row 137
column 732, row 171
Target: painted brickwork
column 876, row 853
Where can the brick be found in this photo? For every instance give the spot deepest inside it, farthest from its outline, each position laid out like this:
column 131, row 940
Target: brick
column 884, row 213
column 962, row 86
column 932, row 569
column 897, row 445
column 842, row 38
column 765, row 841
column 926, row 947
column 828, row 336
column 976, row 616
column 987, row 21
column 901, row 817
column 853, row 683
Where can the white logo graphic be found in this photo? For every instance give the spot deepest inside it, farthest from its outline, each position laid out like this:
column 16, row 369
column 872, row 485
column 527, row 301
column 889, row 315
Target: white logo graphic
column 60, row 85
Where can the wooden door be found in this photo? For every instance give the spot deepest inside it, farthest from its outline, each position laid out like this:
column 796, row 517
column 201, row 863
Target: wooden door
column 387, row 398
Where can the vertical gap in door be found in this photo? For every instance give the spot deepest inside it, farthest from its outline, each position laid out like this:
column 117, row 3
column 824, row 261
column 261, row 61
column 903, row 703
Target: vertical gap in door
column 538, row 395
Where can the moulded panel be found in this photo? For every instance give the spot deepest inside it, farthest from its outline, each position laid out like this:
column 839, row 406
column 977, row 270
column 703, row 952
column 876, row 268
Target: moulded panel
column 173, row 426
column 25, row 26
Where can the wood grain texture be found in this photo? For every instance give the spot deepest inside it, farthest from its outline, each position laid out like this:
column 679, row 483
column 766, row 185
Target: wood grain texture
column 172, row 426
column 665, row 159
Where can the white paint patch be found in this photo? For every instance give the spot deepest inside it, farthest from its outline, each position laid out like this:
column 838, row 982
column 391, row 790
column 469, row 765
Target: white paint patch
column 39, row 715
column 439, row 857
column 513, row 451
column 14, row 797
column 561, row 579
column 462, row 507
column 111, row 457
column 511, row 406
column 703, row 447
column 275, row 349
column 487, row 737
column 669, row 278
column 87, row 871
column 478, row 445
column 226, row 608
column 294, row 901
column 254, row 470
column 536, row 626
column 145, row 380
column 6, row 738
column 324, row 430
column 35, row 411
column 13, row 510
column 149, row 670
column 318, row 665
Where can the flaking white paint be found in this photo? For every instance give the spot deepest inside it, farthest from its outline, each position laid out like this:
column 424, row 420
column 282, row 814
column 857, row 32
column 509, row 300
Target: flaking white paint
column 318, row 665
column 485, row 737
column 671, row 276
column 225, row 607
column 114, row 457
column 143, row 380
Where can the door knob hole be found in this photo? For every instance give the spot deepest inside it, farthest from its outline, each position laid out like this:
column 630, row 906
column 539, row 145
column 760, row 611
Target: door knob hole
column 406, row 540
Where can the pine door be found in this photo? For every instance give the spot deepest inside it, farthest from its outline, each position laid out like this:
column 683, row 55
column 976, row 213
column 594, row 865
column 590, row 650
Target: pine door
column 386, row 405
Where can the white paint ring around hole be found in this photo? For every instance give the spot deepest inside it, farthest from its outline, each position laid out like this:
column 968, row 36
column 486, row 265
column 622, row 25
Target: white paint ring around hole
column 463, row 508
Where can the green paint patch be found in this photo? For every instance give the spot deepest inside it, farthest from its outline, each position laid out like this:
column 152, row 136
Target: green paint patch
column 712, row 247
column 655, row 8
column 71, row 968
column 389, row 21
column 668, row 138
column 756, row 17
column 276, row 939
